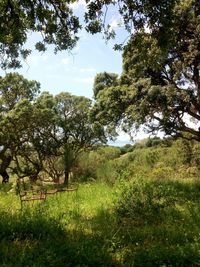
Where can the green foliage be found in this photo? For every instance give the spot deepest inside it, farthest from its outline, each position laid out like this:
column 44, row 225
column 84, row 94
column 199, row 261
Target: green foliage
column 54, row 20
column 15, row 87
column 155, row 141
column 127, row 148
column 103, row 80
column 69, row 230
column 160, row 83
column 159, row 222
column 160, row 171
column 184, row 149
column 75, row 131
column 35, row 129
column 146, row 200
column 5, row 188
column 17, row 94
column 196, row 155
column 164, row 161
column 97, row 165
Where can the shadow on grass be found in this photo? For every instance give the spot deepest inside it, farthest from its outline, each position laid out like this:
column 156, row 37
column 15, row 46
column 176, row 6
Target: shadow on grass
column 162, row 229
column 160, row 222
column 4, row 188
column 34, row 239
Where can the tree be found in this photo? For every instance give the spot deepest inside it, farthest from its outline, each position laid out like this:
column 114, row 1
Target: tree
column 36, row 128
column 57, row 25
column 160, row 83
column 53, row 19
column 16, row 94
column 40, row 142
column 76, row 132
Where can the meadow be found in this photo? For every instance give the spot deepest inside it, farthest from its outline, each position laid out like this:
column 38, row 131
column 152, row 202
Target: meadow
column 148, row 216
column 96, row 227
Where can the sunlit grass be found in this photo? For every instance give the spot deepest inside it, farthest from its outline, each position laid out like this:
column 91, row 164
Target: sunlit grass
column 86, row 229
column 80, row 224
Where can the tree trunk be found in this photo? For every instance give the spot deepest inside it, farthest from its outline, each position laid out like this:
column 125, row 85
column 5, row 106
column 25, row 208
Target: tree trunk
column 33, row 177
column 5, row 176
column 5, row 162
column 66, row 178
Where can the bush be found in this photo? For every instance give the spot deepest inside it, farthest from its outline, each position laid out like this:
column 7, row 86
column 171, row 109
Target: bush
column 106, row 173
column 5, row 187
column 155, row 141
column 145, row 200
column 126, row 148
column 94, row 164
column 153, row 200
column 196, row 155
column 162, row 172
column 159, row 222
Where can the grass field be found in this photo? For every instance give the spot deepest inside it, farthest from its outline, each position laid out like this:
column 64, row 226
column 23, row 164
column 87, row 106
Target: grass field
column 154, row 223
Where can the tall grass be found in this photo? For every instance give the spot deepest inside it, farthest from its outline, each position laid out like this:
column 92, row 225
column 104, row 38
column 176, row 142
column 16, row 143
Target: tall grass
column 142, row 223
column 66, row 230
column 160, row 222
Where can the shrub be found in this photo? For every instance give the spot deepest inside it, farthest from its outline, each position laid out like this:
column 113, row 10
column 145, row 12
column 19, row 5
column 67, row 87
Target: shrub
column 162, row 172
column 106, row 173
column 145, row 200
column 196, row 155
column 155, row 141
column 94, row 164
column 126, row 148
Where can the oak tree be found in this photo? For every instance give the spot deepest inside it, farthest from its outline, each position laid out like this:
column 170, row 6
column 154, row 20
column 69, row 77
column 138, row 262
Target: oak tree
column 160, row 83
column 16, row 95
column 76, row 131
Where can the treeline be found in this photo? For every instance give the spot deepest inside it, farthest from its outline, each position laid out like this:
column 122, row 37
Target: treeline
column 42, row 133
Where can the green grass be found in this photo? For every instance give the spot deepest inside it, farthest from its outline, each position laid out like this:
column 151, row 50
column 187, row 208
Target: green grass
column 145, row 223
column 66, row 230
column 160, row 223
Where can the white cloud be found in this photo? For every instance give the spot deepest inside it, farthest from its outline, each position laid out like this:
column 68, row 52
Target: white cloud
column 83, row 70
column 115, row 22
column 123, row 137
column 78, row 4
column 35, row 60
column 65, row 61
column 87, row 80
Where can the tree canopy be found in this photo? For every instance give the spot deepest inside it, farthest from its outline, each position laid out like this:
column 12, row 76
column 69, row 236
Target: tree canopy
column 160, row 83
column 36, row 127
column 16, row 95
column 56, row 23
column 103, row 80
column 53, row 19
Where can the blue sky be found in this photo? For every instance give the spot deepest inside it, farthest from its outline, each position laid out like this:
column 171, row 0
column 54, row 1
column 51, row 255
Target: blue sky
column 73, row 71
